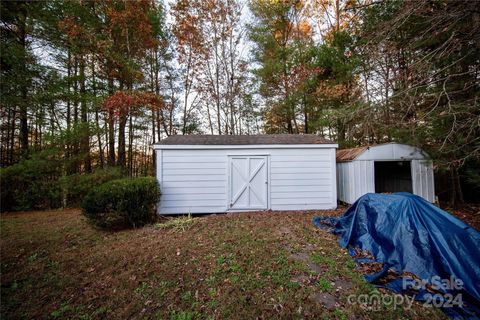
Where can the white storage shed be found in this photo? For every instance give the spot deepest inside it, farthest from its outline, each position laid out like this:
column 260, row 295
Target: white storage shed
column 384, row 168
column 219, row 173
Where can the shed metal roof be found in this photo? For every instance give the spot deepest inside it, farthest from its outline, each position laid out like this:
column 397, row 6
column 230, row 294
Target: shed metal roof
column 258, row 139
column 349, row 154
column 380, row 152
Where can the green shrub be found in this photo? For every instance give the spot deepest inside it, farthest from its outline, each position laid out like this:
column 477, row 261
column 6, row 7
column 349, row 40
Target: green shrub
column 37, row 184
column 122, row 203
column 30, row 184
column 76, row 186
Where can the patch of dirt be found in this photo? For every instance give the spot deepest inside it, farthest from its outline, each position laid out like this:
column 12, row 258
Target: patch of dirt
column 325, row 299
column 301, row 279
column 315, row 267
column 343, row 285
column 301, row 256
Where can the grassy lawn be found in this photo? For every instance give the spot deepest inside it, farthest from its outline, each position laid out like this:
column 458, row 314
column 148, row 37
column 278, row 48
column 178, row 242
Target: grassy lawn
column 255, row 265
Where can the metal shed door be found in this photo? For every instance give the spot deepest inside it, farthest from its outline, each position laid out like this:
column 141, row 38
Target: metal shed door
column 422, row 178
column 248, row 182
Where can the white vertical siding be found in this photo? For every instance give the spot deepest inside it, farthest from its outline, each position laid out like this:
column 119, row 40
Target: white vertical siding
column 356, row 178
column 333, row 175
column 422, row 179
column 193, row 182
column 302, row 179
column 366, row 180
column 196, row 181
column 341, row 183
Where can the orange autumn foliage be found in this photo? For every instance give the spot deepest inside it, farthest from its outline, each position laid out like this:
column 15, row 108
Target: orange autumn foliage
column 122, row 102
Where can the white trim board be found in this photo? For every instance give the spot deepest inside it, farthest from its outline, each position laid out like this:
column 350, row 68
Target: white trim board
column 243, row 146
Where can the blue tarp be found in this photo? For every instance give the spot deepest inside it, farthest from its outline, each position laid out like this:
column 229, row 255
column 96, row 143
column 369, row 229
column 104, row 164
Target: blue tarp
column 406, row 233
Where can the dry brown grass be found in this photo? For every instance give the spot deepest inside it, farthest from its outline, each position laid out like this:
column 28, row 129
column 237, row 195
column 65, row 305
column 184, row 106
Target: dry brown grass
column 239, row 266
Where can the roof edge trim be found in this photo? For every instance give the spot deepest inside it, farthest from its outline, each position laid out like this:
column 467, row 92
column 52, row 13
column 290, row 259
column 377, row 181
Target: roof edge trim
column 244, row 146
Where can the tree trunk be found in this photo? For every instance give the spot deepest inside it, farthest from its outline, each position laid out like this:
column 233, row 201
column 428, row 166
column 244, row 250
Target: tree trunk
column 24, row 86
column 122, row 123
column 12, row 137
column 185, row 104
column 130, row 145
column 231, row 89
column 161, row 123
column 156, row 87
column 209, row 117
column 337, row 15
column 217, row 92
column 69, row 84
column 289, row 127
column 305, row 115
column 456, row 197
column 7, row 153
column 85, row 134
column 97, row 117
column 76, row 146
column 187, row 86
column 340, row 132
column 111, row 129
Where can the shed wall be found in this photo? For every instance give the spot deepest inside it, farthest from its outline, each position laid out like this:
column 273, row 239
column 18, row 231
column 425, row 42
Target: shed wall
column 355, row 178
column 196, row 180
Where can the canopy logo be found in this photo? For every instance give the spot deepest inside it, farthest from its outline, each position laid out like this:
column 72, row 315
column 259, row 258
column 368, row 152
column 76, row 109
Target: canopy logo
column 374, row 300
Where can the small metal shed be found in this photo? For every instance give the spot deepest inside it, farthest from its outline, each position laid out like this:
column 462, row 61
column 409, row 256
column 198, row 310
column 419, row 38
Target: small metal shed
column 384, row 168
column 219, row 173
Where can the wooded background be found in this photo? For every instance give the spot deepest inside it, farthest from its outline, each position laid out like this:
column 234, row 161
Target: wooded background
column 87, row 85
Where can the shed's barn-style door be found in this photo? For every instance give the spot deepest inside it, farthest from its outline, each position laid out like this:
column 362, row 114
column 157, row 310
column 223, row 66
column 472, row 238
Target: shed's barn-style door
column 248, row 182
